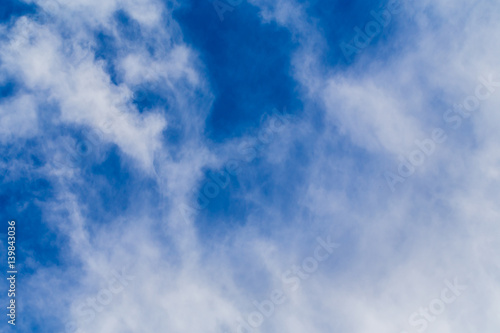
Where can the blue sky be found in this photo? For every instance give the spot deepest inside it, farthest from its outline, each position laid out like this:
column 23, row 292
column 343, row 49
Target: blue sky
column 299, row 166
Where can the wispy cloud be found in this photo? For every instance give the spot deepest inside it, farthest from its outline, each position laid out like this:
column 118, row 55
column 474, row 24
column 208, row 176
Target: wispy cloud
column 107, row 113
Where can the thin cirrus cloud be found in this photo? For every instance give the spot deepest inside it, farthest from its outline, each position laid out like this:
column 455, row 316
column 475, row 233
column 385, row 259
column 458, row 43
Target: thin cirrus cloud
column 115, row 115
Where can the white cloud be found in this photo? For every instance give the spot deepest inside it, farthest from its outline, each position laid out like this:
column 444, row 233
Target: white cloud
column 399, row 248
column 18, row 118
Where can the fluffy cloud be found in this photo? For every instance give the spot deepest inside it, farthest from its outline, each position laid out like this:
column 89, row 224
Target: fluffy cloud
column 322, row 175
